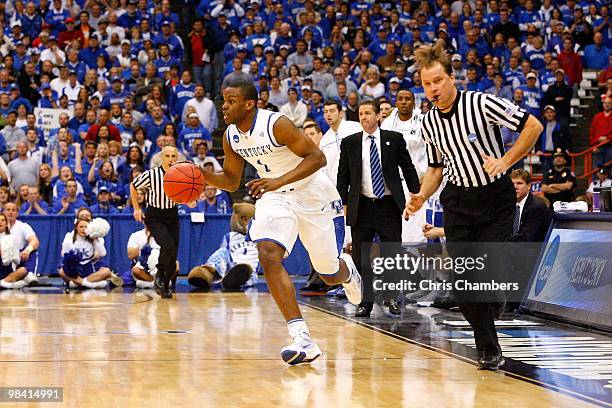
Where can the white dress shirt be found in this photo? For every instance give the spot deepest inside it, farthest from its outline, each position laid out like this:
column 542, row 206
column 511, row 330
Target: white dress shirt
column 521, row 205
column 330, row 146
column 367, row 189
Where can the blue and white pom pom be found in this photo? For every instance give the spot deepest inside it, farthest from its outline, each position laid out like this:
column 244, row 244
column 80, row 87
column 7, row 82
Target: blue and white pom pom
column 70, row 263
column 97, row 228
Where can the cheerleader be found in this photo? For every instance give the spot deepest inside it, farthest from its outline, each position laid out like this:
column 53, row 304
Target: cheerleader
column 81, row 265
column 11, row 276
column 144, row 253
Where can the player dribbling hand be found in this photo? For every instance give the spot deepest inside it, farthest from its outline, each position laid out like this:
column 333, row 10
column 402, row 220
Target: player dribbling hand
column 259, row 187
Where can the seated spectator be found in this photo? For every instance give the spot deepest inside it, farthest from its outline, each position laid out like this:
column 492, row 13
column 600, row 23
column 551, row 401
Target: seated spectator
column 115, row 155
column 11, row 276
column 144, row 253
column 603, row 180
column 22, row 195
column 294, row 109
column 105, row 177
column 570, row 62
column 134, row 158
column 144, row 144
column 81, row 266
column 215, row 201
column 596, row 54
column 24, row 169
column 192, row 132
column 552, row 138
column 26, row 241
column 69, row 201
column 140, row 196
column 35, row 205
column 202, row 156
column 559, row 182
column 10, row 135
column 277, row 96
column 103, row 119
column 104, row 206
column 372, row 88
column 600, row 132
column 532, row 217
column 45, row 182
column 498, row 88
column 59, row 182
column 5, row 197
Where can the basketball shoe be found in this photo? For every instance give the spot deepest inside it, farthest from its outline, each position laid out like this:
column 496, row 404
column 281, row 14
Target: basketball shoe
column 353, row 288
column 302, row 350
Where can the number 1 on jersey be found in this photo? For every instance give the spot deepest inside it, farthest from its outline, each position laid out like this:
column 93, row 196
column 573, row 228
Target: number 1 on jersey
column 264, row 165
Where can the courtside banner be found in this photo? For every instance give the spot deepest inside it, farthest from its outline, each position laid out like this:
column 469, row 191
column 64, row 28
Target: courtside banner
column 573, row 279
column 570, row 273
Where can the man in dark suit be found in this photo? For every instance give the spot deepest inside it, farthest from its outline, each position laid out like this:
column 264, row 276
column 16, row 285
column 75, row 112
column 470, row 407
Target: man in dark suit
column 532, row 217
column 370, row 186
column 531, row 221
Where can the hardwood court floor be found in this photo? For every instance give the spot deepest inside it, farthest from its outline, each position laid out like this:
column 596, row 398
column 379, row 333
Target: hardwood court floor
column 222, row 350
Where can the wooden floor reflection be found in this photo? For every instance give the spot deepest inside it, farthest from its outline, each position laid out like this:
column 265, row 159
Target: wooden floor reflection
column 209, row 350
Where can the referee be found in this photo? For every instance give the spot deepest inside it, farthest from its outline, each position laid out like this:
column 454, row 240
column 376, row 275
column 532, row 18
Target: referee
column 161, row 218
column 464, row 143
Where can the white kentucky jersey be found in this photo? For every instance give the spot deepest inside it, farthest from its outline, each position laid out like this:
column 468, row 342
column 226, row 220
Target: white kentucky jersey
column 330, row 146
column 411, row 130
column 412, row 229
column 240, row 250
column 260, row 148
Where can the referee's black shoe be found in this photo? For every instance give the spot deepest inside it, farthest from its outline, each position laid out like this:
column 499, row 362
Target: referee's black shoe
column 162, row 286
column 491, row 361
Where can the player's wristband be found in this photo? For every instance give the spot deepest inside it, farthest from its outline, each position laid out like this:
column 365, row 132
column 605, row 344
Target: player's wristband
column 29, row 248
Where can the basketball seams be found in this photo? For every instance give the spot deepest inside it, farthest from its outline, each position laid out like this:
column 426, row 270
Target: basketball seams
column 185, row 187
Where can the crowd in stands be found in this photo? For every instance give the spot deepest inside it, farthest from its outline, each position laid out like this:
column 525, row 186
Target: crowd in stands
column 127, row 83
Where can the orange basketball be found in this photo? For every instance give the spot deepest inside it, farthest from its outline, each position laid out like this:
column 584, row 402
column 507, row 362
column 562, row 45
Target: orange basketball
column 183, row 183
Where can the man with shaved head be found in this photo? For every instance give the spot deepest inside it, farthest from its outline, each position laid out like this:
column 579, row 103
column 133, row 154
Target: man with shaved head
column 160, row 218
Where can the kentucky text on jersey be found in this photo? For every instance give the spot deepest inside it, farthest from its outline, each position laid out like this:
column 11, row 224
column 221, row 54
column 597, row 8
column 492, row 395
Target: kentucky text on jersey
column 255, row 151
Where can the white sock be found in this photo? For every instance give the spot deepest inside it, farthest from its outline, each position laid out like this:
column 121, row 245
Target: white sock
column 12, row 285
column 100, row 285
column 19, row 284
column 144, row 284
column 87, row 284
column 298, row 328
column 7, row 285
column 95, row 285
column 348, row 263
column 30, row 277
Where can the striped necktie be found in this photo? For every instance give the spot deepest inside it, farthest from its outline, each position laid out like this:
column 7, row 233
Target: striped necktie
column 516, row 225
column 378, row 185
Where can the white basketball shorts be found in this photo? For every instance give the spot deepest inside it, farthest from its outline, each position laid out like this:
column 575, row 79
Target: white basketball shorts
column 313, row 212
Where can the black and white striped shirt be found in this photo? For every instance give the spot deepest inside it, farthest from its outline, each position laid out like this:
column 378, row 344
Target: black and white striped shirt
column 456, row 139
column 152, row 181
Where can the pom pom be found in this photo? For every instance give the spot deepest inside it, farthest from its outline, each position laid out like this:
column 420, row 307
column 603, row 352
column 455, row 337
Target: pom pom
column 143, row 258
column 71, row 262
column 10, row 253
column 97, row 228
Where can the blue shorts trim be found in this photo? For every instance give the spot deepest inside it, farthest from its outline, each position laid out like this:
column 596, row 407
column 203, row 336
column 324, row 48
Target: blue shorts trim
column 30, row 264
column 271, row 240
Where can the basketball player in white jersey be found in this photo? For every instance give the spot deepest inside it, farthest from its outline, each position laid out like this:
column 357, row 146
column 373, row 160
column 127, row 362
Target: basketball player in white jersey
column 407, row 119
column 294, row 198
column 339, row 128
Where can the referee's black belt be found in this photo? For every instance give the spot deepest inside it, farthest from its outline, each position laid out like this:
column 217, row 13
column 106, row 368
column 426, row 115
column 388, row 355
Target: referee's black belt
column 161, row 211
column 480, row 189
